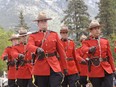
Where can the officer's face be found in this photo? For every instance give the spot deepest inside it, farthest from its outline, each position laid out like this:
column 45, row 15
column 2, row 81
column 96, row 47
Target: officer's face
column 15, row 42
column 96, row 31
column 42, row 25
column 23, row 39
column 64, row 35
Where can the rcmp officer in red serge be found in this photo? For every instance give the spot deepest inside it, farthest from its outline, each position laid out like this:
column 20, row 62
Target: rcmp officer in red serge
column 23, row 61
column 44, row 44
column 100, row 60
column 82, row 65
column 6, row 56
column 72, row 77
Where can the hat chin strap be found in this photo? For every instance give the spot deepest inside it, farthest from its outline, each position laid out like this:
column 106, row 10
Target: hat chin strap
column 94, row 36
column 43, row 29
column 64, row 39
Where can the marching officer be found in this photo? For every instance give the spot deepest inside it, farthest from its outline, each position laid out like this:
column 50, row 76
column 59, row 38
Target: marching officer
column 100, row 60
column 72, row 77
column 45, row 44
column 82, row 65
column 22, row 58
column 6, row 56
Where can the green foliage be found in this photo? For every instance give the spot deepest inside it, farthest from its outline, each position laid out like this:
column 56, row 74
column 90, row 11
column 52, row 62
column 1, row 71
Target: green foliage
column 4, row 36
column 76, row 16
column 112, row 40
column 107, row 16
column 21, row 22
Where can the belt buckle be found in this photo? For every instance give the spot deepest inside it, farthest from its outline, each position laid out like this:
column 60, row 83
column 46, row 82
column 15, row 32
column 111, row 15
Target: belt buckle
column 46, row 55
column 100, row 59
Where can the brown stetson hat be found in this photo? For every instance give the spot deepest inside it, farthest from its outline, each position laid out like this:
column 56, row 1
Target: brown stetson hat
column 93, row 24
column 64, row 28
column 42, row 16
column 22, row 32
column 13, row 36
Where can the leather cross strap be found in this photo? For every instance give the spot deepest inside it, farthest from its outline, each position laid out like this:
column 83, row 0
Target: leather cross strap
column 67, row 46
column 44, row 38
column 49, row 54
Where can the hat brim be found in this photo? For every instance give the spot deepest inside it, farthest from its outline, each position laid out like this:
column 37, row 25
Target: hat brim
column 25, row 34
column 93, row 27
column 13, row 39
column 42, row 19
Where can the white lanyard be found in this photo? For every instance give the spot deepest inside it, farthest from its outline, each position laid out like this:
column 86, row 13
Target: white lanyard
column 98, row 40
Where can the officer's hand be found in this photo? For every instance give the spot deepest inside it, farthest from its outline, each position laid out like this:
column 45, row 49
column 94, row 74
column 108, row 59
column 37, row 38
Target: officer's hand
column 40, row 53
column 83, row 62
column 39, row 50
column 87, row 59
column 65, row 71
column 5, row 58
column 21, row 56
column 92, row 49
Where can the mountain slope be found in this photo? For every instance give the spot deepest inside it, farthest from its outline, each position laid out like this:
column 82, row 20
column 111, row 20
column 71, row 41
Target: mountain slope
column 9, row 11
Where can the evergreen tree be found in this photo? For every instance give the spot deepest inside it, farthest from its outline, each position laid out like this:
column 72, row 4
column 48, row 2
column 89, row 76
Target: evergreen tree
column 107, row 16
column 77, row 17
column 21, row 22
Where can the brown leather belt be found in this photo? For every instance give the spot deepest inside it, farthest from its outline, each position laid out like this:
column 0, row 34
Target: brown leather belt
column 69, row 59
column 99, row 59
column 49, row 55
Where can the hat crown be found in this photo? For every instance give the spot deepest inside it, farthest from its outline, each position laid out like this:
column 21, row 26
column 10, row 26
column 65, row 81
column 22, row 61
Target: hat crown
column 42, row 15
column 94, row 23
column 22, row 31
column 14, row 36
column 64, row 28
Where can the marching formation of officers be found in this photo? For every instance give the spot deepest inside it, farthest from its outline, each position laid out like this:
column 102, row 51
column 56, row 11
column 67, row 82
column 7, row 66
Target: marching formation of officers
column 42, row 59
